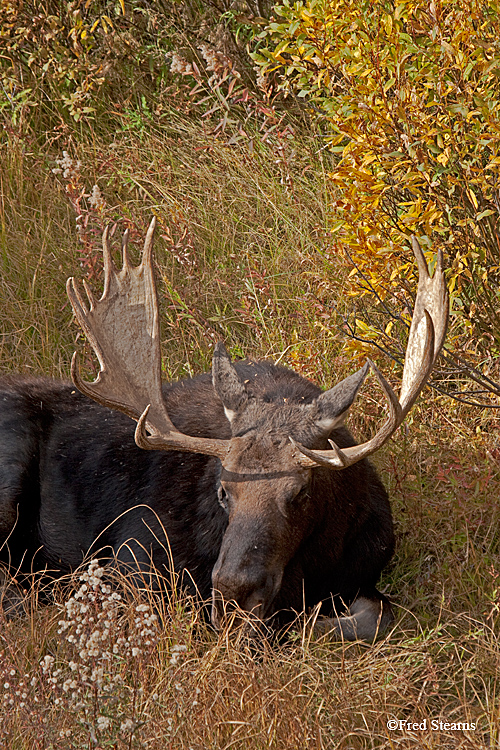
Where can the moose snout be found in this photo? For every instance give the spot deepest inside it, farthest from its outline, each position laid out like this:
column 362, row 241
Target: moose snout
column 250, row 591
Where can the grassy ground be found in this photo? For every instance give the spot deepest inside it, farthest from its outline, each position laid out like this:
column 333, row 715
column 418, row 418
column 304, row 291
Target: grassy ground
column 242, row 251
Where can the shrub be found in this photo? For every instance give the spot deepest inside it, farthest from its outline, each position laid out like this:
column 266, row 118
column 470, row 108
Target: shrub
column 86, row 62
column 407, row 96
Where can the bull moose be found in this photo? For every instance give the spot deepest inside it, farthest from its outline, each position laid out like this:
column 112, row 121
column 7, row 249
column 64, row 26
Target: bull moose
column 245, row 478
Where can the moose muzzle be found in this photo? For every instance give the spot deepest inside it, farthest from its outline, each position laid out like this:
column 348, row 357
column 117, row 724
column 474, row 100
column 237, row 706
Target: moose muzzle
column 238, row 589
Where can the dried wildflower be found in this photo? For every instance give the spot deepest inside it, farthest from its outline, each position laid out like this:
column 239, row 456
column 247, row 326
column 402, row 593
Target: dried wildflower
column 103, row 723
column 96, row 201
column 70, row 169
column 180, row 65
column 104, row 638
column 177, row 652
column 47, row 663
column 215, row 61
column 126, row 726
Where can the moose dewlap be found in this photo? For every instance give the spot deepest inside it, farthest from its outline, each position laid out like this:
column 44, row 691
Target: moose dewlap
column 246, row 476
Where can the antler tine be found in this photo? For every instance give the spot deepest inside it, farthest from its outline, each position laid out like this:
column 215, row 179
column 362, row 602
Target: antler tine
column 81, row 313
column 426, row 337
column 430, row 317
column 75, row 298
column 123, row 328
column 334, row 459
column 90, row 294
column 423, row 268
column 109, row 266
column 125, row 255
column 147, row 253
column 142, row 439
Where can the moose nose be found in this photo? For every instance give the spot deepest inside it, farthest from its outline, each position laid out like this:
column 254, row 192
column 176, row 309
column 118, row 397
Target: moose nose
column 250, row 593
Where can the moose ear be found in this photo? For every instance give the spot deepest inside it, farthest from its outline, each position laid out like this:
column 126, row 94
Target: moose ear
column 332, row 406
column 226, row 382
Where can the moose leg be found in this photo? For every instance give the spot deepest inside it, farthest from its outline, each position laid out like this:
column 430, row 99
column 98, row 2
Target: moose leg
column 368, row 618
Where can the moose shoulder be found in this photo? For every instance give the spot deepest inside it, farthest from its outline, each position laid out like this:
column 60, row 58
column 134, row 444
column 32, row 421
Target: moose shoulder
column 265, row 498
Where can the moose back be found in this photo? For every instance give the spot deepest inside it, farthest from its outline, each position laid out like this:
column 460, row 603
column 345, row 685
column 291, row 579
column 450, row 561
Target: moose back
column 244, row 479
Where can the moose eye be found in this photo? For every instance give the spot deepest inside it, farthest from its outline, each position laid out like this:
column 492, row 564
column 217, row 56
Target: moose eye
column 222, row 497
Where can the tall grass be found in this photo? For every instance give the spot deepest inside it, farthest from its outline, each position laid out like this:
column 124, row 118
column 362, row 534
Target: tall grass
column 242, row 245
column 242, row 253
column 107, row 669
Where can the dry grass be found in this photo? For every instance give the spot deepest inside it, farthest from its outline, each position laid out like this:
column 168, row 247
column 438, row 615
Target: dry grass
column 107, row 669
column 243, row 252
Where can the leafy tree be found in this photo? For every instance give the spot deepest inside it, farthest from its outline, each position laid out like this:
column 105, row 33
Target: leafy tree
column 407, row 95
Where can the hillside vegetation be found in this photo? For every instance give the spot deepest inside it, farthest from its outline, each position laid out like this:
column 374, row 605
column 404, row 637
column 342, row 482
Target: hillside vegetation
column 116, row 111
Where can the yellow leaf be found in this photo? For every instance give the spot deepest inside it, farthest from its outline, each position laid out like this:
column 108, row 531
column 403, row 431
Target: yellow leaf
column 473, row 198
column 444, row 157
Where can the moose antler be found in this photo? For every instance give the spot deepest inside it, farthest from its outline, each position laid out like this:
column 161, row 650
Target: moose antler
column 426, row 338
column 123, row 329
